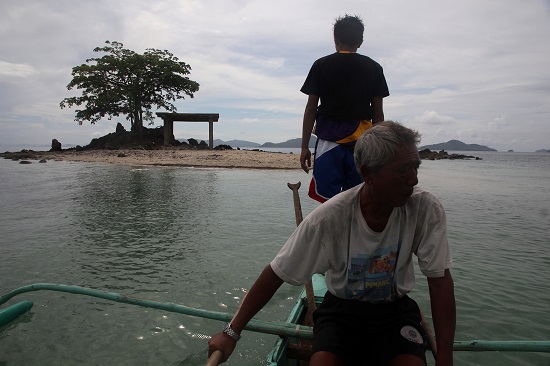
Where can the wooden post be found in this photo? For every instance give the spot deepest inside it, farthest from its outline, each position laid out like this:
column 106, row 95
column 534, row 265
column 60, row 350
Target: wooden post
column 210, row 133
column 169, row 119
column 168, row 131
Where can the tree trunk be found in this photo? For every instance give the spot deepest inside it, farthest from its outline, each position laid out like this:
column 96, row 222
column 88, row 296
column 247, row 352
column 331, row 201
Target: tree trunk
column 137, row 127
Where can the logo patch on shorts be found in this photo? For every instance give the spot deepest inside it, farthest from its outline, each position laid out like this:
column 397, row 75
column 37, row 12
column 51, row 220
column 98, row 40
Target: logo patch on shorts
column 411, row 334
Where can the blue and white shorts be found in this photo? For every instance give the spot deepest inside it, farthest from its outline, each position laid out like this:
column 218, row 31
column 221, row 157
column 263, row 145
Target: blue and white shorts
column 333, row 170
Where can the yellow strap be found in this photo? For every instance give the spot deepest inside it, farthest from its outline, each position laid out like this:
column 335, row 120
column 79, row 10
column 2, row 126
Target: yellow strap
column 363, row 126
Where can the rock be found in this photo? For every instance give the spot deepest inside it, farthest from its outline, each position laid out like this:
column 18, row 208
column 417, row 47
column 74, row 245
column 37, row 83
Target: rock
column 427, row 154
column 120, row 128
column 56, row 145
column 25, row 162
column 42, row 161
column 224, row 147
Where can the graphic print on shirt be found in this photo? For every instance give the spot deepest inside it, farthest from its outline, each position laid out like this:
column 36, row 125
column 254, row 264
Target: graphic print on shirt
column 370, row 276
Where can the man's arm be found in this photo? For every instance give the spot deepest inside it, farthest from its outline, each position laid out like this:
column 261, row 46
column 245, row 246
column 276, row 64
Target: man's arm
column 377, row 110
column 443, row 305
column 260, row 293
column 307, row 129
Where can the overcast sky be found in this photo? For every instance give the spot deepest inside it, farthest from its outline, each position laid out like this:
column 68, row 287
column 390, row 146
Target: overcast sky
column 476, row 71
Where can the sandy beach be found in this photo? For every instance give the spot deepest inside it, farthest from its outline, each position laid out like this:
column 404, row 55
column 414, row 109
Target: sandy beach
column 234, row 159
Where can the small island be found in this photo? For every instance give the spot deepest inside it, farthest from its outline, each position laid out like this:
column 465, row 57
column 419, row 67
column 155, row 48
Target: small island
column 125, row 144
column 427, row 154
column 455, row 145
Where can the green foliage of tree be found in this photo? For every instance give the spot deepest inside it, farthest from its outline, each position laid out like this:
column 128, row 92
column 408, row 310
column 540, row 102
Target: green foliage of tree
column 123, row 82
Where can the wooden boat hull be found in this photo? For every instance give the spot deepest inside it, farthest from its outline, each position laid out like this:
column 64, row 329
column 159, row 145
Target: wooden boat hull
column 290, row 351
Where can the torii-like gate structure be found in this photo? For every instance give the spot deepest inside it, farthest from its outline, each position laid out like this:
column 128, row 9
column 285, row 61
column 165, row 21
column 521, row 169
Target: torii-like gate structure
column 169, row 119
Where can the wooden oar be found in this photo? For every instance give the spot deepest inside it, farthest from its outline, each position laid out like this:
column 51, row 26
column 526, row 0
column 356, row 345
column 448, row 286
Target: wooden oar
column 309, row 286
column 215, row 358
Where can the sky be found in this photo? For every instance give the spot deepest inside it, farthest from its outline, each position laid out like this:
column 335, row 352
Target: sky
column 470, row 70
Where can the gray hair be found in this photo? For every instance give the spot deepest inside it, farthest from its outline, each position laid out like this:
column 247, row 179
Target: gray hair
column 380, row 143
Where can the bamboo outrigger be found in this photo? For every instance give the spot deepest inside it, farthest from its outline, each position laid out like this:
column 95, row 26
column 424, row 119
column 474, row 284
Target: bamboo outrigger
column 288, row 349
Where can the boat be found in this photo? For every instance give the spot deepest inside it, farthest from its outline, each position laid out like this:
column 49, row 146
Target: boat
column 296, row 351
column 290, row 351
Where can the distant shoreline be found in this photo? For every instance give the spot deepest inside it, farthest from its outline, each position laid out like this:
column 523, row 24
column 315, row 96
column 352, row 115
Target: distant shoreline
column 233, row 159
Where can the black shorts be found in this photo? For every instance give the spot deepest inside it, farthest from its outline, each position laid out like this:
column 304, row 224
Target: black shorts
column 362, row 333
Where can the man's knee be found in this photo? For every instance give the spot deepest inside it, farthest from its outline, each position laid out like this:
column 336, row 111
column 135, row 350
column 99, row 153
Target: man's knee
column 407, row 360
column 323, row 358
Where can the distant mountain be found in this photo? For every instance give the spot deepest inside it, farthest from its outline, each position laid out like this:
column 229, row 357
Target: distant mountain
column 543, row 150
column 455, row 145
column 236, row 143
column 293, row 143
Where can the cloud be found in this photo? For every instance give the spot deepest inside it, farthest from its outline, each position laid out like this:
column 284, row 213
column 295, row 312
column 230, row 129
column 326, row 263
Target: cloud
column 11, row 70
column 432, row 118
column 467, row 70
column 499, row 123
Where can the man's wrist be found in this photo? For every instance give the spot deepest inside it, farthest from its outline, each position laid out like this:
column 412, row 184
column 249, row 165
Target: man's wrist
column 230, row 332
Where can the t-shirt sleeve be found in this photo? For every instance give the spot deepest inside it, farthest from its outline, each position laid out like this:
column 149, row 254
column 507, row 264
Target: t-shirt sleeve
column 311, row 85
column 301, row 256
column 433, row 252
column 381, row 87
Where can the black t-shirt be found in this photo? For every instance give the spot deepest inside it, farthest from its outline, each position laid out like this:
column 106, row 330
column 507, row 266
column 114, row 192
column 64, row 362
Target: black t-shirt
column 346, row 84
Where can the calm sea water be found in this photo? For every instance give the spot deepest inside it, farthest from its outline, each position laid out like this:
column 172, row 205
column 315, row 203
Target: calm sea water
column 199, row 237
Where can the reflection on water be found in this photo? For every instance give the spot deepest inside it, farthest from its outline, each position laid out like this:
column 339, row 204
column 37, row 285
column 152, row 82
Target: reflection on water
column 139, row 228
column 196, row 237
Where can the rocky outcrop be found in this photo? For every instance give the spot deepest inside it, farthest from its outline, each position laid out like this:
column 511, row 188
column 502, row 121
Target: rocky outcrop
column 22, row 155
column 427, row 154
column 152, row 139
column 120, row 128
column 223, row 147
column 56, row 145
column 197, row 145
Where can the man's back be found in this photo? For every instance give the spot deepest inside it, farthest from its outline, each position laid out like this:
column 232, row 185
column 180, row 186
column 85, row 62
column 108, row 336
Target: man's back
column 346, row 84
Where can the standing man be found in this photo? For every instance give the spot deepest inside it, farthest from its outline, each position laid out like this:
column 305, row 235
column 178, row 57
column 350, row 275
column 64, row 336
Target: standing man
column 350, row 88
column 364, row 240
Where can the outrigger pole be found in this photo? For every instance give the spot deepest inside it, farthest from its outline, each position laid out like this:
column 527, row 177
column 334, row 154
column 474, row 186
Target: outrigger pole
column 281, row 329
column 284, row 329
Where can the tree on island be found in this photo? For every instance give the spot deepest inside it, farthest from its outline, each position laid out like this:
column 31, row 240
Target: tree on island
column 123, row 82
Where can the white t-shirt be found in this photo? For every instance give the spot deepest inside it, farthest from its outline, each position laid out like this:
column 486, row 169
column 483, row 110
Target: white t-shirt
column 360, row 263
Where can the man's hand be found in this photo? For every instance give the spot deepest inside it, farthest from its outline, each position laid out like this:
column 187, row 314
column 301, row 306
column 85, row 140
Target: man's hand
column 259, row 294
column 222, row 342
column 305, row 159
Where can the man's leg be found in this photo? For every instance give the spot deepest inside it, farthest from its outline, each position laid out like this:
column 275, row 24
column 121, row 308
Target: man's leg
column 327, row 171
column 407, row 360
column 323, row 358
column 351, row 175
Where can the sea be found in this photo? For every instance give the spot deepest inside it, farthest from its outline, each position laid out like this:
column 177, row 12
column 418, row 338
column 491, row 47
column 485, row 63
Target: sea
column 200, row 237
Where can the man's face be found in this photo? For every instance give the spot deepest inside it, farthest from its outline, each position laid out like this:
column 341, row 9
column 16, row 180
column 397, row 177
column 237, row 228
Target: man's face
column 393, row 183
